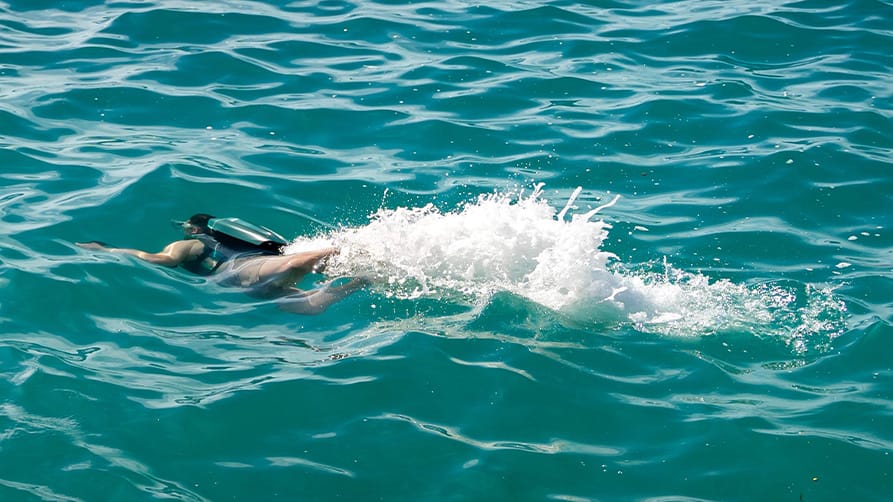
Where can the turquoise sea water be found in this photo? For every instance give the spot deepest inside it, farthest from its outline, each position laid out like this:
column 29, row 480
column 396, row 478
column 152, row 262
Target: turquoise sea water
column 721, row 332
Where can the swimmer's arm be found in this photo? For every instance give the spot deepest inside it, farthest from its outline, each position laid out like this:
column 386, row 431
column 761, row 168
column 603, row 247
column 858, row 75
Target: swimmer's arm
column 172, row 255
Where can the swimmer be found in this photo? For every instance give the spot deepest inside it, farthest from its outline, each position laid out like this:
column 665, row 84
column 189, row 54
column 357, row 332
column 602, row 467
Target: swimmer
column 239, row 253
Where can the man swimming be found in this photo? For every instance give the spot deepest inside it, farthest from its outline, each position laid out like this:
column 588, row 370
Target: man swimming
column 242, row 254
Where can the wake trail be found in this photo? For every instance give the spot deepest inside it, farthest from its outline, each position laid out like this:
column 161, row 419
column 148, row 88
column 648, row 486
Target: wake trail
column 519, row 243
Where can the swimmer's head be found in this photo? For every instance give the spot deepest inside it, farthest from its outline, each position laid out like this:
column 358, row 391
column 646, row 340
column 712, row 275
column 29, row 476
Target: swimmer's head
column 197, row 224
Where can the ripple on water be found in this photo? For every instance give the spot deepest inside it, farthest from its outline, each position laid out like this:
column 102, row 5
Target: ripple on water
column 736, row 344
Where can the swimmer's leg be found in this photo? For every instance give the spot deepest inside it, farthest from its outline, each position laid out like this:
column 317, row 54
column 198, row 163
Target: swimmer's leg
column 318, row 300
column 279, row 271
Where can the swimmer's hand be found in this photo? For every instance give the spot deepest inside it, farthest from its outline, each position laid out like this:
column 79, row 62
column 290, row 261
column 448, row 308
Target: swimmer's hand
column 93, row 245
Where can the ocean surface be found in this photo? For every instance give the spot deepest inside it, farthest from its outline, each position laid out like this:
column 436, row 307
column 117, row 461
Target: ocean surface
column 618, row 250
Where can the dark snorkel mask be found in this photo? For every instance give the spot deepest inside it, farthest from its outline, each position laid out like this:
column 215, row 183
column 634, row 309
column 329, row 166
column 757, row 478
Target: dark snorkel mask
column 182, row 225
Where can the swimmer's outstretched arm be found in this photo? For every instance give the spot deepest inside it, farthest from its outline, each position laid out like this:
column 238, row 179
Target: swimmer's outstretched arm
column 172, row 255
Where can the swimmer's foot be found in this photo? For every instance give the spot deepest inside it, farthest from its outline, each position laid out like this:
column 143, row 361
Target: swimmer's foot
column 320, row 266
column 362, row 281
column 94, row 245
column 349, row 287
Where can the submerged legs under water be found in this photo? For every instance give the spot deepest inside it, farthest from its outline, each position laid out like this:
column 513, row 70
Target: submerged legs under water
column 316, row 301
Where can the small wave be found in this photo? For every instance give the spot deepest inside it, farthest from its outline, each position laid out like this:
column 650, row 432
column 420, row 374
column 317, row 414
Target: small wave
column 517, row 243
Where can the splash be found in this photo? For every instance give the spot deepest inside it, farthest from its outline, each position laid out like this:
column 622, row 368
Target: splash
column 520, row 244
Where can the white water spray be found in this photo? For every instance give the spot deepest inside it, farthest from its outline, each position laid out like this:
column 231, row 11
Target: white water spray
column 519, row 244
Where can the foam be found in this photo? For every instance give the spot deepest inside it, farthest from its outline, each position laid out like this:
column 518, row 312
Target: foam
column 519, row 243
